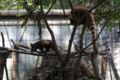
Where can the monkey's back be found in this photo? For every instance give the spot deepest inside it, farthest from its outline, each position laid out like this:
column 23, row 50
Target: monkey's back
column 44, row 43
column 79, row 12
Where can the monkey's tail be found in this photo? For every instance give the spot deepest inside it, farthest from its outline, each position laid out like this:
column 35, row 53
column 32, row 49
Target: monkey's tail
column 95, row 49
column 92, row 28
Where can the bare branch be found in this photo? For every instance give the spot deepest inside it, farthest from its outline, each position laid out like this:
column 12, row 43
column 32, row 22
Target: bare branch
column 17, row 45
column 62, row 7
column 50, row 7
column 23, row 52
column 97, row 46
column 51, row 32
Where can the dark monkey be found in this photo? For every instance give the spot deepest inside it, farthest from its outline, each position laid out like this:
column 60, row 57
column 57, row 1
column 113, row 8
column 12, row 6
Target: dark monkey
column 89, row 19
column 47, row 44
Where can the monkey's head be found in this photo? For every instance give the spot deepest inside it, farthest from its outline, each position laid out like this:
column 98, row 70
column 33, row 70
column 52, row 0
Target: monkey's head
column 33, row 47
column 72, row 21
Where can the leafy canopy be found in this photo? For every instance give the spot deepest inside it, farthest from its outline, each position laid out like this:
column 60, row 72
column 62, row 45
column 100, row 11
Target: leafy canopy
column 110, row 8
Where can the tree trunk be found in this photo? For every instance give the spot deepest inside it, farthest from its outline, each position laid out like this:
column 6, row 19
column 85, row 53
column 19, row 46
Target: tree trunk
column 15, row 65
column 104, row 67
column 2, row 64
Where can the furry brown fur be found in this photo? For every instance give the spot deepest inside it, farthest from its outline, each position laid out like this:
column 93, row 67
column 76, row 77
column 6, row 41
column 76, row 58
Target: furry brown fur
column 47, row 44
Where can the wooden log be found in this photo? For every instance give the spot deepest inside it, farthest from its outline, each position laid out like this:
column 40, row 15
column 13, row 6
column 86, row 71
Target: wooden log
column 104, row 67
column 15, row 65
column 4, row 55
column 22, row 52
column 86, row 69
column 2, row 64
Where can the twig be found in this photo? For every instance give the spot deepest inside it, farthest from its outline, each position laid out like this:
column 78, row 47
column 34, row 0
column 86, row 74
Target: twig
column 104, row 50
column 97, row 46
column 17, row 45
column 50, row 7
column 22, row 45
column 62, row 7
column 91, row 52
column 102, row 29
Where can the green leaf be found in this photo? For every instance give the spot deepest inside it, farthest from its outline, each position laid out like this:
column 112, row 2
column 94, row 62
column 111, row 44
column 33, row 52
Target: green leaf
column 118, row 19
column 18, row 15
column 20, row 7
column 21, row 1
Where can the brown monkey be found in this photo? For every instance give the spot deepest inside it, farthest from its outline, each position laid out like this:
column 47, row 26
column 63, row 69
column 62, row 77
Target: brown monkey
column 47, row 44
column 89, row 19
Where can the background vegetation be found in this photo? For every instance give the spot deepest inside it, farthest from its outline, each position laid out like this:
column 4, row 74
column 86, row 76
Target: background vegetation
column 109, row 9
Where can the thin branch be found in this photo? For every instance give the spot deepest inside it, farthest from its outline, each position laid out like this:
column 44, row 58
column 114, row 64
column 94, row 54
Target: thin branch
column 50, row 7
column 102, row 29
column 22, row 45
column 62, row 7
column 23, row 52
column 98, row 45
column 104, row 50
column 17, row 45
column 51, row 32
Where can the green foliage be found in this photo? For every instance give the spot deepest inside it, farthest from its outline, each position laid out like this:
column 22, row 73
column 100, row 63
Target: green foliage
column 109, row 7
column 91, row 79
column 86, row 30
column 57, row 5
column 19, row 15
column 21, row 1
column 8, row 4
column 110, row 10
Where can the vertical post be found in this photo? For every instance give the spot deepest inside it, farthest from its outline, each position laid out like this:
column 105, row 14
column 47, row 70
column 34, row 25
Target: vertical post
column 7, row 54
column 15, row 56
column 3, row 57
column 104, row 67
column 2, row 64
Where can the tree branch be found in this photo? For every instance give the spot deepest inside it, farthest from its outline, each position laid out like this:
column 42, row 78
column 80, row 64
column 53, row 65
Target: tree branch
column 50, row 7
column 74, row 53
column 51, row 32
